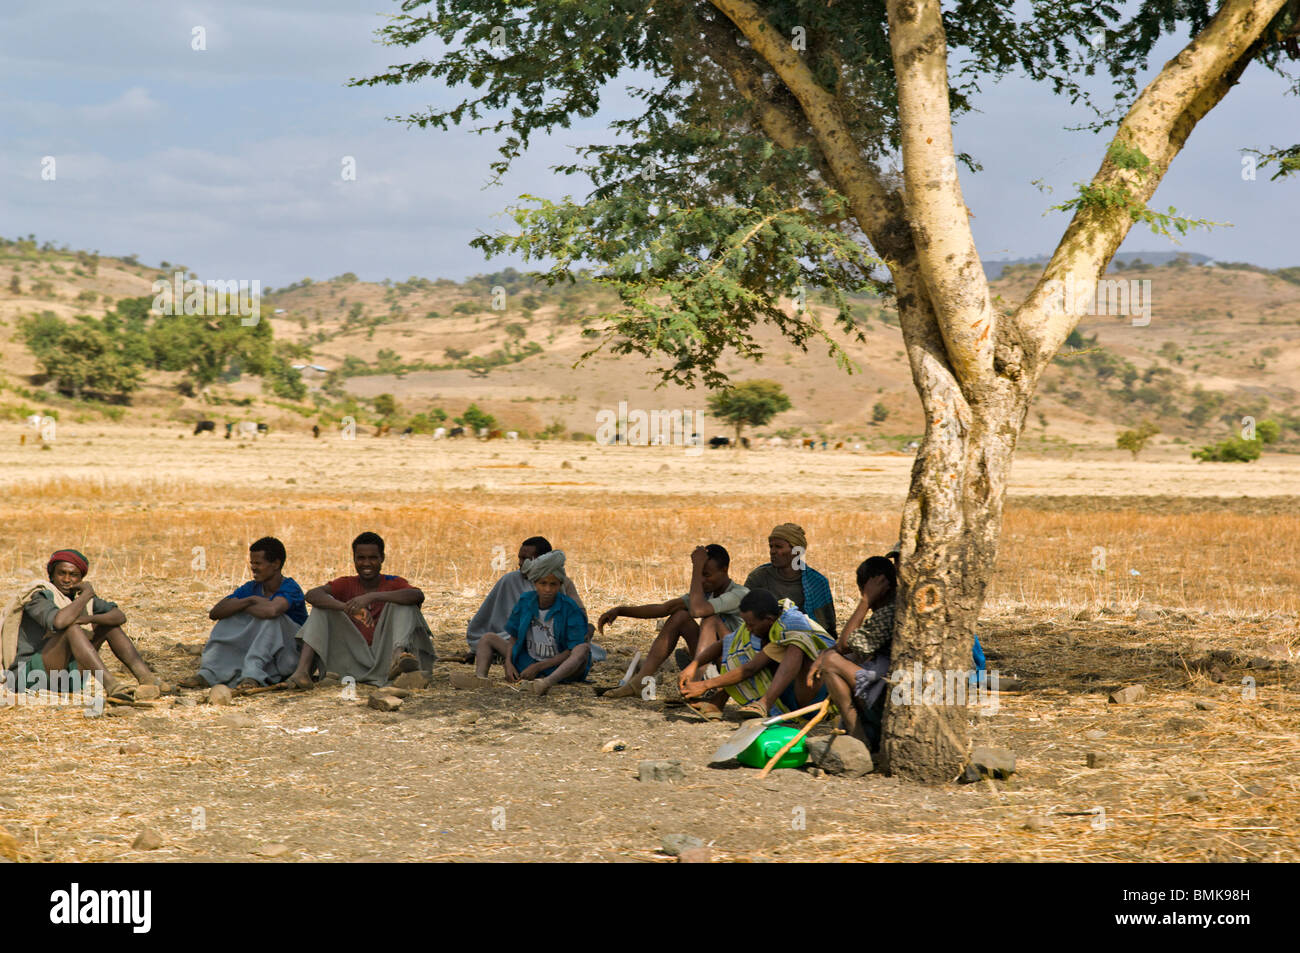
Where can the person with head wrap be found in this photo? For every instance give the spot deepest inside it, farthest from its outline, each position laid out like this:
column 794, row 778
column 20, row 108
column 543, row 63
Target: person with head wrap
column 788, row 576
column 55, row 629
column 545, row 638
column 495, row 610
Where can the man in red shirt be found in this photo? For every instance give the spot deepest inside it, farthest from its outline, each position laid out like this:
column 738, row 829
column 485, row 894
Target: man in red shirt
column 368, row 627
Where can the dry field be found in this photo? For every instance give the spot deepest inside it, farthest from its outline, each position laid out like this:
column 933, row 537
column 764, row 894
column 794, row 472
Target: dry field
column 1198, row 603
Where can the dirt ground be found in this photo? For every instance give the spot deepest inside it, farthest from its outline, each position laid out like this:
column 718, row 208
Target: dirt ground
column 1203, row 768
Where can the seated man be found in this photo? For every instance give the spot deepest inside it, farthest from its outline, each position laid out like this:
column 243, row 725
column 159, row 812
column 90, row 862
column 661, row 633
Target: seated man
column 762, row 661
column 366, row 626
column 252, row 643
column 712, row 602
column 545, row 639
column 788, row 576
column 500, row 602
column 56, row 628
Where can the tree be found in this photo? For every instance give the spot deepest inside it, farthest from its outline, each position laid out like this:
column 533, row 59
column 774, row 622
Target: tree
column 81, row 358
column 476, row 419
column 760, row 164
column 386, row 406
column 752, row 403
column 1135, row 440
column 879, row 413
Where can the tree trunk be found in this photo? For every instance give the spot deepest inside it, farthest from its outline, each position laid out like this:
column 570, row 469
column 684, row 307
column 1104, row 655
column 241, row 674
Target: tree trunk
column 948, row 546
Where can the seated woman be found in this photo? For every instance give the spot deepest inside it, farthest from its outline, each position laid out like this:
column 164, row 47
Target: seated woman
column 856, row 671
column 545, row 638
column 762, row 662
column 252, row 643
column 56, row 628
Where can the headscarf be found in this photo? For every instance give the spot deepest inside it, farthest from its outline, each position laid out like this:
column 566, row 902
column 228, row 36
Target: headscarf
column 792, row 533
column 547, row 564
column 68, row 556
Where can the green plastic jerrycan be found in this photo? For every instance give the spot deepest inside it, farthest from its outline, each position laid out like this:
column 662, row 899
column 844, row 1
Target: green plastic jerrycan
column 769, row 743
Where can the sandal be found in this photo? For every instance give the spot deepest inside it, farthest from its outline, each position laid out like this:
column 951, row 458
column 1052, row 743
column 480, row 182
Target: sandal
column 753, row 710
column 405, row 662
column 194, row 681
column 706, row 710
column 245, row 684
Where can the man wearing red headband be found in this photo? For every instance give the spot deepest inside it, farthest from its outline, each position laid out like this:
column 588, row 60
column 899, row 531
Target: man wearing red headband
column 60, row 629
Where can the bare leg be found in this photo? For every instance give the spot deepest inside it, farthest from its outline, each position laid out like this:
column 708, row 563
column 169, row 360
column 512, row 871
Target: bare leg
column 712, row 629
column 839, row 674
column 577, row 660
column 491, row 643
column 301, row 677
column 793, row 670
column 677, row 626
column 125, row 651
column 74, row 642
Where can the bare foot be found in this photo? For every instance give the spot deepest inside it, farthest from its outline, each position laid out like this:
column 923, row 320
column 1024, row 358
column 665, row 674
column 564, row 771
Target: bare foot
column 404, row 662
column 195, row 681
column 245, row 684
column 302, row 683
column 539, row 686
column 623, row 691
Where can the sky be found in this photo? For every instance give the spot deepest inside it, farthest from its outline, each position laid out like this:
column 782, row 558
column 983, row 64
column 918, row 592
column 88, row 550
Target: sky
column 229, row 159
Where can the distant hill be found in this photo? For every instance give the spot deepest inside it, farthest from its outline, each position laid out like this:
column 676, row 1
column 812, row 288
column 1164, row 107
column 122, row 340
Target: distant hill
column 1221, row 343
column 993, row 269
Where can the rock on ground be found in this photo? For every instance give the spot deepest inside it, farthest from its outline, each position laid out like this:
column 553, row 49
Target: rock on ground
column 660, row 771
column 147, row 839
column 843, row 755
column 674, row 844
column 1128, row 695
column 990, row 762
column 220, row 695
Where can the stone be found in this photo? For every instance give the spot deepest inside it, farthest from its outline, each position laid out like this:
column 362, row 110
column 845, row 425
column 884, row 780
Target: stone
column 1035, row 822
column 147, row 693
column 147, row 839
column 272, row 850
column 970, row 774
column 188, row 649
column 674, row 844
column 1183, row 724
column 463, row 679
column 660, row 771
column 236, row 720
column 118, row 711
column 1203, row 705
column 1148, row 614
column 384, row 703
column 1095, row 734
column 187, row 701
column 131, row 747
column 1195, row 797
column 1101, row 759
column 618, row 744
column 843, row 755
column 1128, row 695
column 395, row 692
column 695, row 855
column 412, row 680
column 994, row 762
column 221, row 695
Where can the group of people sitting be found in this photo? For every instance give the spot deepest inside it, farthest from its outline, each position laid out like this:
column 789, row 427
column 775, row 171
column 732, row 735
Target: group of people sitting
column 769, row 645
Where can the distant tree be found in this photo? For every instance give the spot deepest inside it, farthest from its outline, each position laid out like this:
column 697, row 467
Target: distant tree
column 1233, row 450
column 751, row 403
column 83, row 360
column 879, row 413
column 477, row 419
column 1135, row 440
column 15, row 286
column 386, row 406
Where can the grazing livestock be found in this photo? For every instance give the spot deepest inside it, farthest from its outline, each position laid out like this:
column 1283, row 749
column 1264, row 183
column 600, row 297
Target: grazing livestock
column 482, row 432
column 457, row 432
column 34, row 421
column 407, row 432
column 382, row 430
column 512, row 434
column 810, row 443
column 716, row 442
column 205, row 426
column 839, row 445
column 495, row 434
column 744, row 442
column 315, row 430
column 263, row 429
column 246, row 428
column 440, row 433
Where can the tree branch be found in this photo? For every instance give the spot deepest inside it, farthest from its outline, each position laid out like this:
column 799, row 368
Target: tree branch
column 1157, row 125
column 940, row 221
